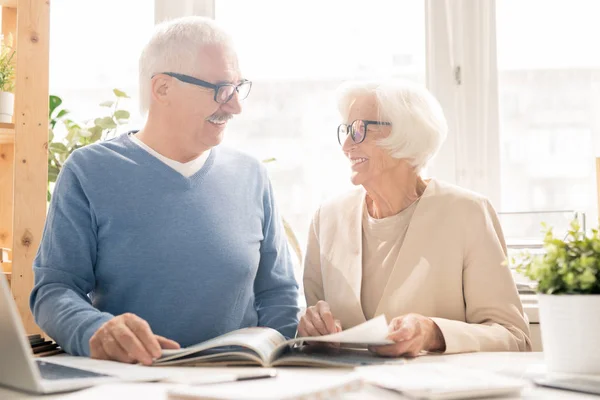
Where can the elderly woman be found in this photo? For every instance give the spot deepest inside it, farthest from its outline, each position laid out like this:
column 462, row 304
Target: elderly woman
column 427, row 254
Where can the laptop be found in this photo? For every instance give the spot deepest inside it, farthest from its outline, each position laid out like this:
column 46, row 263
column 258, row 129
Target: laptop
column 20, row 370
column 573, row 383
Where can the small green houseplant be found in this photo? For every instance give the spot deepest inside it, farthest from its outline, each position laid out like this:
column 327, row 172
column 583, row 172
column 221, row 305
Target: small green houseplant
column 568, row 285
column 7, row 79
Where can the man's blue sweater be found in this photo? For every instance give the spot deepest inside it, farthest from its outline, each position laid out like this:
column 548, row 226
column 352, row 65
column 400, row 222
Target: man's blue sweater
column 195, row 257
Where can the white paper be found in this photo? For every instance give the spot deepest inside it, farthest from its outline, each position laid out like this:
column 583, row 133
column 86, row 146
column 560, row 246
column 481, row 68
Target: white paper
column 374, row 331
column 436, row 379
column 318, row 387
column 126, row 372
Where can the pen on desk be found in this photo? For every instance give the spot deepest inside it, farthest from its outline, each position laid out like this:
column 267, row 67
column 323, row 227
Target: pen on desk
column 262, row 375
column 223, row 378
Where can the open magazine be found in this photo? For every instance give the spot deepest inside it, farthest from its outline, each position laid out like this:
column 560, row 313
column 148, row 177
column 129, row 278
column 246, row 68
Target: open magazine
column 268, row 348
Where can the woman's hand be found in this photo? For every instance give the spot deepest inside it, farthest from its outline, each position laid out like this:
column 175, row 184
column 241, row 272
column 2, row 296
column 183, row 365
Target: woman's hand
column 318, row 321
column 412, row 333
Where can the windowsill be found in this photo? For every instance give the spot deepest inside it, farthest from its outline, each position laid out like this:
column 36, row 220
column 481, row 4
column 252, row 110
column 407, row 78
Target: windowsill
column 530, row 307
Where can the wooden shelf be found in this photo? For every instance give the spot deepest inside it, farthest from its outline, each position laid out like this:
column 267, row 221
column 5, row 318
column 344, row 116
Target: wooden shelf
column 7, row 133
column 5, row 264
column 24, row 184
column 8, row 3
column 4, row 254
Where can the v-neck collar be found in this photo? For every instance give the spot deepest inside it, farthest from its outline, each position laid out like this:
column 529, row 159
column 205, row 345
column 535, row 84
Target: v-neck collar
column 145, row 158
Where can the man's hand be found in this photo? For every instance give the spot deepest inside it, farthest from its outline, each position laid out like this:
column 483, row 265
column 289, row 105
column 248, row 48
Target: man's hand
column 129, row 339
column 412, row 333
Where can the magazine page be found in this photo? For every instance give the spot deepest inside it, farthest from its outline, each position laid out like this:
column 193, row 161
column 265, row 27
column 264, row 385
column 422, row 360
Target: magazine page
column 327, row 356
column 370, row 333
column 263, row 341
column 231, row 356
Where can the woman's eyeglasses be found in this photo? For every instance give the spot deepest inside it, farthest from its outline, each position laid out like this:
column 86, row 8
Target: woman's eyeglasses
column 357, row 130
column 223, row 91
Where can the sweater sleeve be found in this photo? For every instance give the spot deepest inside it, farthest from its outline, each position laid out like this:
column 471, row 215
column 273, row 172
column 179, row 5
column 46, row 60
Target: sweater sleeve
column 64, row 268
column 275, row 287
column 495, row 320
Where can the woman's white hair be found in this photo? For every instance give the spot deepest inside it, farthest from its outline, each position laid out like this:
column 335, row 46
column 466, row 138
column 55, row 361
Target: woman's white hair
column 418, row 124
column 174, row 47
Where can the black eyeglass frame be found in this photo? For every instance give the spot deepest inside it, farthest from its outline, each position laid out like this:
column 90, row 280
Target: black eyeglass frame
column 199, row 82
column 350, row 129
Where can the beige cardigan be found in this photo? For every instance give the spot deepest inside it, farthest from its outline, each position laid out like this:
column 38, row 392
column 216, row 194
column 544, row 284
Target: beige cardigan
column 449, row 269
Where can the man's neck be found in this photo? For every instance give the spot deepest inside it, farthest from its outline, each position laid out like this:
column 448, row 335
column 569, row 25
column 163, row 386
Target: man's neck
column 162, row 140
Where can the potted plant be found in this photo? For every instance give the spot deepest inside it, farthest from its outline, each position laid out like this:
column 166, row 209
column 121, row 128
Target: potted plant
column 7, row 80
column 568, row 283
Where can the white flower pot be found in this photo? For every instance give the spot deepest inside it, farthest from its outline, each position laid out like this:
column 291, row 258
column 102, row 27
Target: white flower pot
column 7, row 106
column 571, row 333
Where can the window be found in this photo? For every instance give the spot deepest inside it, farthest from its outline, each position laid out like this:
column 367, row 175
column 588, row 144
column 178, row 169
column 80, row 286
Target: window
column 549, row 95
column 95, row 46
column 296, row 54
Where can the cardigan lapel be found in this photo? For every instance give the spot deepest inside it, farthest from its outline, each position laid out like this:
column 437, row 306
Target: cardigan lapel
column 342, row 240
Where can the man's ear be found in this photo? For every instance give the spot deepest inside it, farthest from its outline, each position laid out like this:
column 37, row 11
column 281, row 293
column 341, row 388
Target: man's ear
column 161, row 85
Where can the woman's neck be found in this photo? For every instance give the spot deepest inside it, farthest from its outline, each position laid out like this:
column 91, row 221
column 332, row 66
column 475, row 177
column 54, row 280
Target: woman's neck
column 393, row 192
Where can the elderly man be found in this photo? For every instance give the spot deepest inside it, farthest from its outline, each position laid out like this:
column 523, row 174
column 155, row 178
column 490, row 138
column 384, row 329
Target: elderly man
column 161, row 238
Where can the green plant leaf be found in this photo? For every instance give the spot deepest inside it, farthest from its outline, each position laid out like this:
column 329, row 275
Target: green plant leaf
column 105, row 123
column 121, row 114
column 107, row 103
column 54, row 101
column 72, row 136
column 269, row 160
column 50, row 135
column 58, row 148
column 62, row 113
column 86, row 133
column 96, row 133
column 120, row 93
column 53, row 173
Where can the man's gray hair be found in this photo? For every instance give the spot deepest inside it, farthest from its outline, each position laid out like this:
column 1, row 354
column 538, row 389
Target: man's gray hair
column 419, row 126
column 174, row 47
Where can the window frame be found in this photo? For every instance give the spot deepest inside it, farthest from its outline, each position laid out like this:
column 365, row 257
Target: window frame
column 461, row 72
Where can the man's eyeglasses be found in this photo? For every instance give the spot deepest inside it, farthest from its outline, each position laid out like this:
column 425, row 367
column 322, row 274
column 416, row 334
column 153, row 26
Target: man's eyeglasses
column 357, row 130
column 223, row 91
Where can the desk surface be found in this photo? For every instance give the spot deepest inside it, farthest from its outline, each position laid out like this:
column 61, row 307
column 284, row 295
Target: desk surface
column 521, row 365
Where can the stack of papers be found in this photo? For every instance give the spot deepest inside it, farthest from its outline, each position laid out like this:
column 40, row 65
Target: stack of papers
column 326, row 387
column 439, row 381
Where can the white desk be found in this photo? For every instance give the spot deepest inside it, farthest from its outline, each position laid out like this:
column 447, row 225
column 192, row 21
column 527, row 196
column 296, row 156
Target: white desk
column 522, row 365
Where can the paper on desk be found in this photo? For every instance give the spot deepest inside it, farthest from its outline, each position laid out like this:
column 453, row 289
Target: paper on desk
column 440, row 380
column 372, row 332
column 126, row 372
column 324, row 387
column 146, row 391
